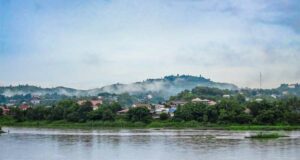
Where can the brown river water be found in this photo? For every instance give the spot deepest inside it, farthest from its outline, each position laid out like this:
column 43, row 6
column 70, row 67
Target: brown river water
column 144, row 144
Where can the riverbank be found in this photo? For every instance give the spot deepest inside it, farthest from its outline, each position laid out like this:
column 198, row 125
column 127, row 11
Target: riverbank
column 154, row 124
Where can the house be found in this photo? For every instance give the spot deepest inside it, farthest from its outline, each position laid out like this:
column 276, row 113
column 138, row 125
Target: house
column 274, row 96
column 24, row 107
column 171, row 111
column 158, row 106
column 212, row 103
column 96, row 103
column 142, row 105
column 258, row 99
column 35, row 100
column 247, row 110
column 285, row 92
column 292, row 86
column 198, row 100
column 226, row 96
column 161, row 110
column 177, row 103
column 81, row 102
column 204, row 101
column 5, row 110
column 122, row 112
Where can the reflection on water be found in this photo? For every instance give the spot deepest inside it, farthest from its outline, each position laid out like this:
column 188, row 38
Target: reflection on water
column 62, row 144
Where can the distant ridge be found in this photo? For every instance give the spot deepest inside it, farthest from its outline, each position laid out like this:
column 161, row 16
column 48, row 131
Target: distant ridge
column 165, row 87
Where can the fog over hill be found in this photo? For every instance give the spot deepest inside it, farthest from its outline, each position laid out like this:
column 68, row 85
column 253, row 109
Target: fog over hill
column 167, row 86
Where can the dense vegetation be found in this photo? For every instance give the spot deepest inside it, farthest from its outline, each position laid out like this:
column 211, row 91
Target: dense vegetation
column 230, row 111
column 227, row 111
column 233, row 110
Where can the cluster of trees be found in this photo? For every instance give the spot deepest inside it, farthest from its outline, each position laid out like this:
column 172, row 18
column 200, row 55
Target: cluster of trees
column 67, row 110
column 241, row 112
column 70, row 111
column 202, row 92
column 227, row 111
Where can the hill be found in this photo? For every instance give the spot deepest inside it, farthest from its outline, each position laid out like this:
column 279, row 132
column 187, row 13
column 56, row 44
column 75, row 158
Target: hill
column 162, row 87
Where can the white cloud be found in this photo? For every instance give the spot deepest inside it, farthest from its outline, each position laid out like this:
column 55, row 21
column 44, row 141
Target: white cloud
column 86, row 45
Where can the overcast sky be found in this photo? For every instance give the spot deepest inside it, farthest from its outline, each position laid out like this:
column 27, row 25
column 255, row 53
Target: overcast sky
column 88, row 43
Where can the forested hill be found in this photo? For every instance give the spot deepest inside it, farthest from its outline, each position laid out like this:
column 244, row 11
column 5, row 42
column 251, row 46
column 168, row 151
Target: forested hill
column 164, row 87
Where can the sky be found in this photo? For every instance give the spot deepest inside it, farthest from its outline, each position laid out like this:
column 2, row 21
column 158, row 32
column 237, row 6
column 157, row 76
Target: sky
column 90, row 43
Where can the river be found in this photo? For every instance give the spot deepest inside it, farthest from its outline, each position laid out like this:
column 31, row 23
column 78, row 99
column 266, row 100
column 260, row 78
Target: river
column 144, row 144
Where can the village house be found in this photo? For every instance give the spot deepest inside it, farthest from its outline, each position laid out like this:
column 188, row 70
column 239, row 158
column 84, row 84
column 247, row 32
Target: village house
column 35, row 100
column 24, row 107
column 226, row 96
column 171, row 111
column 177, row 103
column 292, row 86
column 123, row 112
column 159, row 109
column 142, row 105
column 95, row 103
column 204, row 101
column 258, row 100
column 5, row 110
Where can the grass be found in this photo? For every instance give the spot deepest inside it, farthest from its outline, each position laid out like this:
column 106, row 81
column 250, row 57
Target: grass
column 8, row 121
column 266, row 136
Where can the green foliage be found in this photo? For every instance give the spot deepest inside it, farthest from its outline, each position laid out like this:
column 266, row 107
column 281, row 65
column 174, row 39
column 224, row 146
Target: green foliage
column 139, row 114
column 164, row 116
column 1, row 111
column 227, row 111
column 191, row 111
column 126, row 99
column 266, row 135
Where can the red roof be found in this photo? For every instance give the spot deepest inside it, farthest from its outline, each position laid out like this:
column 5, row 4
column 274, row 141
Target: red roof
column 24, row 107
column 96, row 102
column 5, row 110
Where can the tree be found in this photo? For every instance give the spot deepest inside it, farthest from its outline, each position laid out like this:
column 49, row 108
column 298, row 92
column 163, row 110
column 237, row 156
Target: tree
column 115, row 107
column 266, row 117
column 229, row 110
column 141, row 114
column 107, row 115
column 164, row 116
column 95, row 115
column 18, row 114
column 1, row 111
column 240, row 98
column 57, row 113
column 36, row 113
column 192, row 111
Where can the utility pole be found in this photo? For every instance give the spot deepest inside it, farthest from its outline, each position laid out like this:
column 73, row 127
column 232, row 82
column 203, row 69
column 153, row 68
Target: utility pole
column 260, row 80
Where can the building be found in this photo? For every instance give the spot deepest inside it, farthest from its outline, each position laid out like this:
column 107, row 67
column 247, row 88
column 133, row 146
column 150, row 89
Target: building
column 122, row 112
column 247, row 110
column 177, row 103
column 212, row 103
column 24, row 107
column 204, row 101
column 142, row 105
column 292, row 86
column 226, row 96
column 199, row 100
column 172, row 111
column 5, row 110
column 35, row 100
column 95, row 103
column 258, row 99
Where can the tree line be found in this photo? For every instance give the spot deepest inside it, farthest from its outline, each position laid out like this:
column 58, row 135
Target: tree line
column 232, row 111
column 226, row 111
